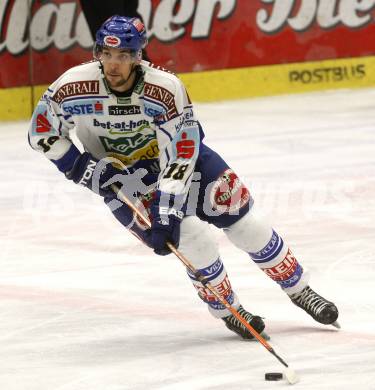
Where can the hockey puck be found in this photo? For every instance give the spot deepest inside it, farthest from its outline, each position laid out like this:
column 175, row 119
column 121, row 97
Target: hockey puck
column 273, row 376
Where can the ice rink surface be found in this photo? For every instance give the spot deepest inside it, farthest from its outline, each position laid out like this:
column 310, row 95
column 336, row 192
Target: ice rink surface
column 85, row 307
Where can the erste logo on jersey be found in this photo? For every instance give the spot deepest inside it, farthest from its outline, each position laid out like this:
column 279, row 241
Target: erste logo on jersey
column 84, row 107
column 185, row 147
column 112, row 41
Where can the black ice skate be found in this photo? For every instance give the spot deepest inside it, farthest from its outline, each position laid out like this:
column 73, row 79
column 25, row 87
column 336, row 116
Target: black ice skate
column 232, row 323
column 320, row 309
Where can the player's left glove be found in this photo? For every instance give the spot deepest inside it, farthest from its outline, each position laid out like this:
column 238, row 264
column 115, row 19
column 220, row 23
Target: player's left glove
column 165, row 227
column 92, row 173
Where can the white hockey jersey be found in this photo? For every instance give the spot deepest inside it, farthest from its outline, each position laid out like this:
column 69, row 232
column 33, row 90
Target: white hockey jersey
column 153, row 128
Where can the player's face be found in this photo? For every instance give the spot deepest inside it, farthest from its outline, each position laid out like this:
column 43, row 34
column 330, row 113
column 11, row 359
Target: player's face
column 117, row 66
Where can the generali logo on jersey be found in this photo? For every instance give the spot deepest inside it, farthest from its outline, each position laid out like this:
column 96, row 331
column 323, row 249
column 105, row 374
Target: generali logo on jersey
column 89, row 87
column 161, row 95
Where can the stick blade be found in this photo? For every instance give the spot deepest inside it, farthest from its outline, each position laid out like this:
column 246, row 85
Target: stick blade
column 266, row 336
column 336, row 325
column 291, row 376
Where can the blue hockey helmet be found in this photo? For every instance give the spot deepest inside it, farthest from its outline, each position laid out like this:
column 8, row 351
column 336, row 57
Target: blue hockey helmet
column 121, row 32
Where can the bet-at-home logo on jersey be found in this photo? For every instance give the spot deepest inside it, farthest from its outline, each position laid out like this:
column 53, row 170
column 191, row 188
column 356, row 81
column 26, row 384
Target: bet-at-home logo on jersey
column 122, row 127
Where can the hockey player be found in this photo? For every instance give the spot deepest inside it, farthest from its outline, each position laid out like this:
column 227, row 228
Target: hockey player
column 139, row 130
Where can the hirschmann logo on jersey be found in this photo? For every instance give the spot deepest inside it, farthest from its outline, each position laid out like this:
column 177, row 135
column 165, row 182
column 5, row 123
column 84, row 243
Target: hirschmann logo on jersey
column 124, row 110
column 89, row 87
column 163, row 97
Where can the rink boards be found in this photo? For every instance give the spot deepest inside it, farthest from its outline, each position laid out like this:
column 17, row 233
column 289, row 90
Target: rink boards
column 16, row 103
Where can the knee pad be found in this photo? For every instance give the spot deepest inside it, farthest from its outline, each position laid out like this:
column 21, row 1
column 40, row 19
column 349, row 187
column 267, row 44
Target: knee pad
column 197, row 242
column 250, row 233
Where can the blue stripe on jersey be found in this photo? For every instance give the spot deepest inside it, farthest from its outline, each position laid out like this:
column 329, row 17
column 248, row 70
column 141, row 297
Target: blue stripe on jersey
column 66, row 117
column 167, row 154
column 270, row 251
column 60, row 126
column 188, row 178
column 92, row 97
column 166, row 133
column 210, row 272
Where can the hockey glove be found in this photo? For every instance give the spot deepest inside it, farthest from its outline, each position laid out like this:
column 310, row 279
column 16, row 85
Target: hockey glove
column 85, row 172
column 165, row 226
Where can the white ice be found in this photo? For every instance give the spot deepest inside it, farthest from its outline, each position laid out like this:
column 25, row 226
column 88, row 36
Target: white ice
column 84, row 307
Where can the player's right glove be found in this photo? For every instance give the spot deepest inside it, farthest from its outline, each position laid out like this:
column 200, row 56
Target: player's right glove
column 165, row 226
column 91, row 173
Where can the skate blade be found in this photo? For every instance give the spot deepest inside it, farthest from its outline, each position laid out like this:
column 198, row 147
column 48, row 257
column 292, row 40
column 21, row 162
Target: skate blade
column 336, row 325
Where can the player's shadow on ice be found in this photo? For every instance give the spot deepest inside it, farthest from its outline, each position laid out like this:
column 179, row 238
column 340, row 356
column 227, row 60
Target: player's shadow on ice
column 295, row 330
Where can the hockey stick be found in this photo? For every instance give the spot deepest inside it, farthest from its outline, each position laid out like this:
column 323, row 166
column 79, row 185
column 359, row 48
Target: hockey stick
column 289, row 373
